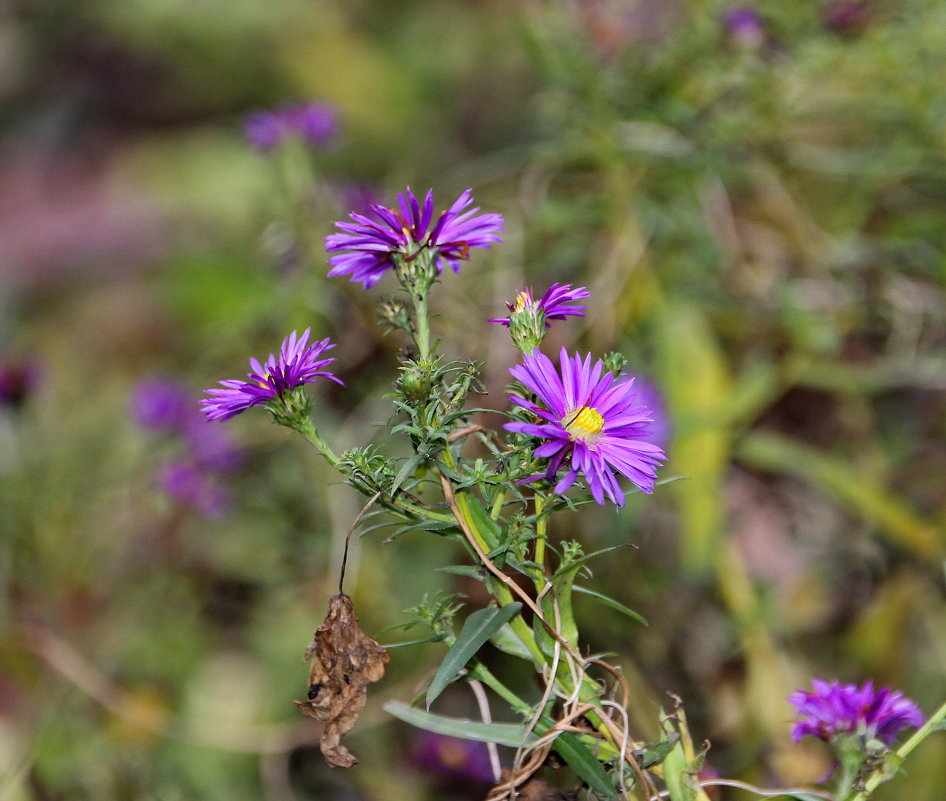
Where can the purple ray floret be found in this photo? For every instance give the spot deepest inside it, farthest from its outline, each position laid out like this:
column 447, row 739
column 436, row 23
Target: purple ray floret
column 368, row 245
column 557, row 303
column 592, row 423
column 833, row 708
column 298, row 363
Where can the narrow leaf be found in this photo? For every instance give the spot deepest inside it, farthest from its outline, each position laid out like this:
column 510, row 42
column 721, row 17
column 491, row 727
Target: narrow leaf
column 797, row 796
column 581, row 760
column 476, row 630
column 613, row 604
column 409, row 466
column 462, row 570
column 510, row 734
column 435, row 638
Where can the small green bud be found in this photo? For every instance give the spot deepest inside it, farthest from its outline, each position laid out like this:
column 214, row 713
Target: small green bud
column 394, row 313
column 416, row 272
column 416, row 381
column 614, row 362
column 527, row 324
column 291, row 409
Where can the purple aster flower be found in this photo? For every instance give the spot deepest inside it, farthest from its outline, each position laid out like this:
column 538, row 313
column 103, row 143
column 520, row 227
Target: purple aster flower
column 650, row 396
column 265, row 129
column 315, row 122
column 211, row 445
column 187, row 483
column 745, row 26
column 358, row 197
column 298, row 363
column 846, row 17
column 18, row 380
column 591, row 418
column 368, row 247
column 557, row 303
column 833, row 708
column 161, row 404
column 453, row 758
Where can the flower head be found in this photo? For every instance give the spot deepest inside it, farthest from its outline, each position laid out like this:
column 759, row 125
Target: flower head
column 453, row 758
column 18, row 381
column 298, row 363
column 744, row 26
column 370, row 245
column 649, row 395
column 528, row 318
column 265, row 129
column 846, row 17
column 833, row 709
column 557, row 303
column 314, row 122
column 592, row 419
column 161, row 404
column 188, row 483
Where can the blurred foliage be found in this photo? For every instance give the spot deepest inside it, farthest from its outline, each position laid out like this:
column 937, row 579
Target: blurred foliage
column 760, row 221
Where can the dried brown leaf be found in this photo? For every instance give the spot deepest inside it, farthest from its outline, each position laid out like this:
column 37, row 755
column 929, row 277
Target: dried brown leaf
column 345, row 661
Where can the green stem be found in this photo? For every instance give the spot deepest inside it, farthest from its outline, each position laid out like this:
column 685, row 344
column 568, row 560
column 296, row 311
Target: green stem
column 309, row 433
column 306, row 428
column 541, row 534
column 479, row 671
column 881, row 775
column 422, row 323
column 498, row 502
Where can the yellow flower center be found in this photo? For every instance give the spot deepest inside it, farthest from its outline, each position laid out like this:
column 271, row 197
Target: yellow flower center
column 584, row 424
column 523, row 300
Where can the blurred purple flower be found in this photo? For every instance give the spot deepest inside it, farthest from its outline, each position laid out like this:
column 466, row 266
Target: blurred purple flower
column 161, row 404
column 18, row 380
column 359, row 197
column 298, row 363
column 557, row 303
column 648, row 395
column 846, row 17
column 315, row 122
column 211, row 445
column 833, row 708
column 367, row 247
column 590, row 417
column 744, row 26
column 265, row 129
column 186, row 482
column 451, row 757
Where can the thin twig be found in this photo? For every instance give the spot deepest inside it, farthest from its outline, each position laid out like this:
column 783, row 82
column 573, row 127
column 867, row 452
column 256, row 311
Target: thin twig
column 513, row 587
column 483, row 703
column 361, row 514
column 460, row 433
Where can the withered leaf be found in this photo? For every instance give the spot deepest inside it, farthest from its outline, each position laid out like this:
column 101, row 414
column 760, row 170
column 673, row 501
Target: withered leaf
column 345, row 661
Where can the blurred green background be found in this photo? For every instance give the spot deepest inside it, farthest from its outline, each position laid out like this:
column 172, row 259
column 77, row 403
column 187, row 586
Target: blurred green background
column 756, row 198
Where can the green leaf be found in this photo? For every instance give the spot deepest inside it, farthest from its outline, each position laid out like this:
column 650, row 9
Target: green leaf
column 797, row 796
column 510, row 734
column 409, row 466
column 655, row 754
column 507, row 641
column 581, row 760
column 489, row 529
column 476, row 630
column 462, row 570
column 434, row 638
column 613, row 604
